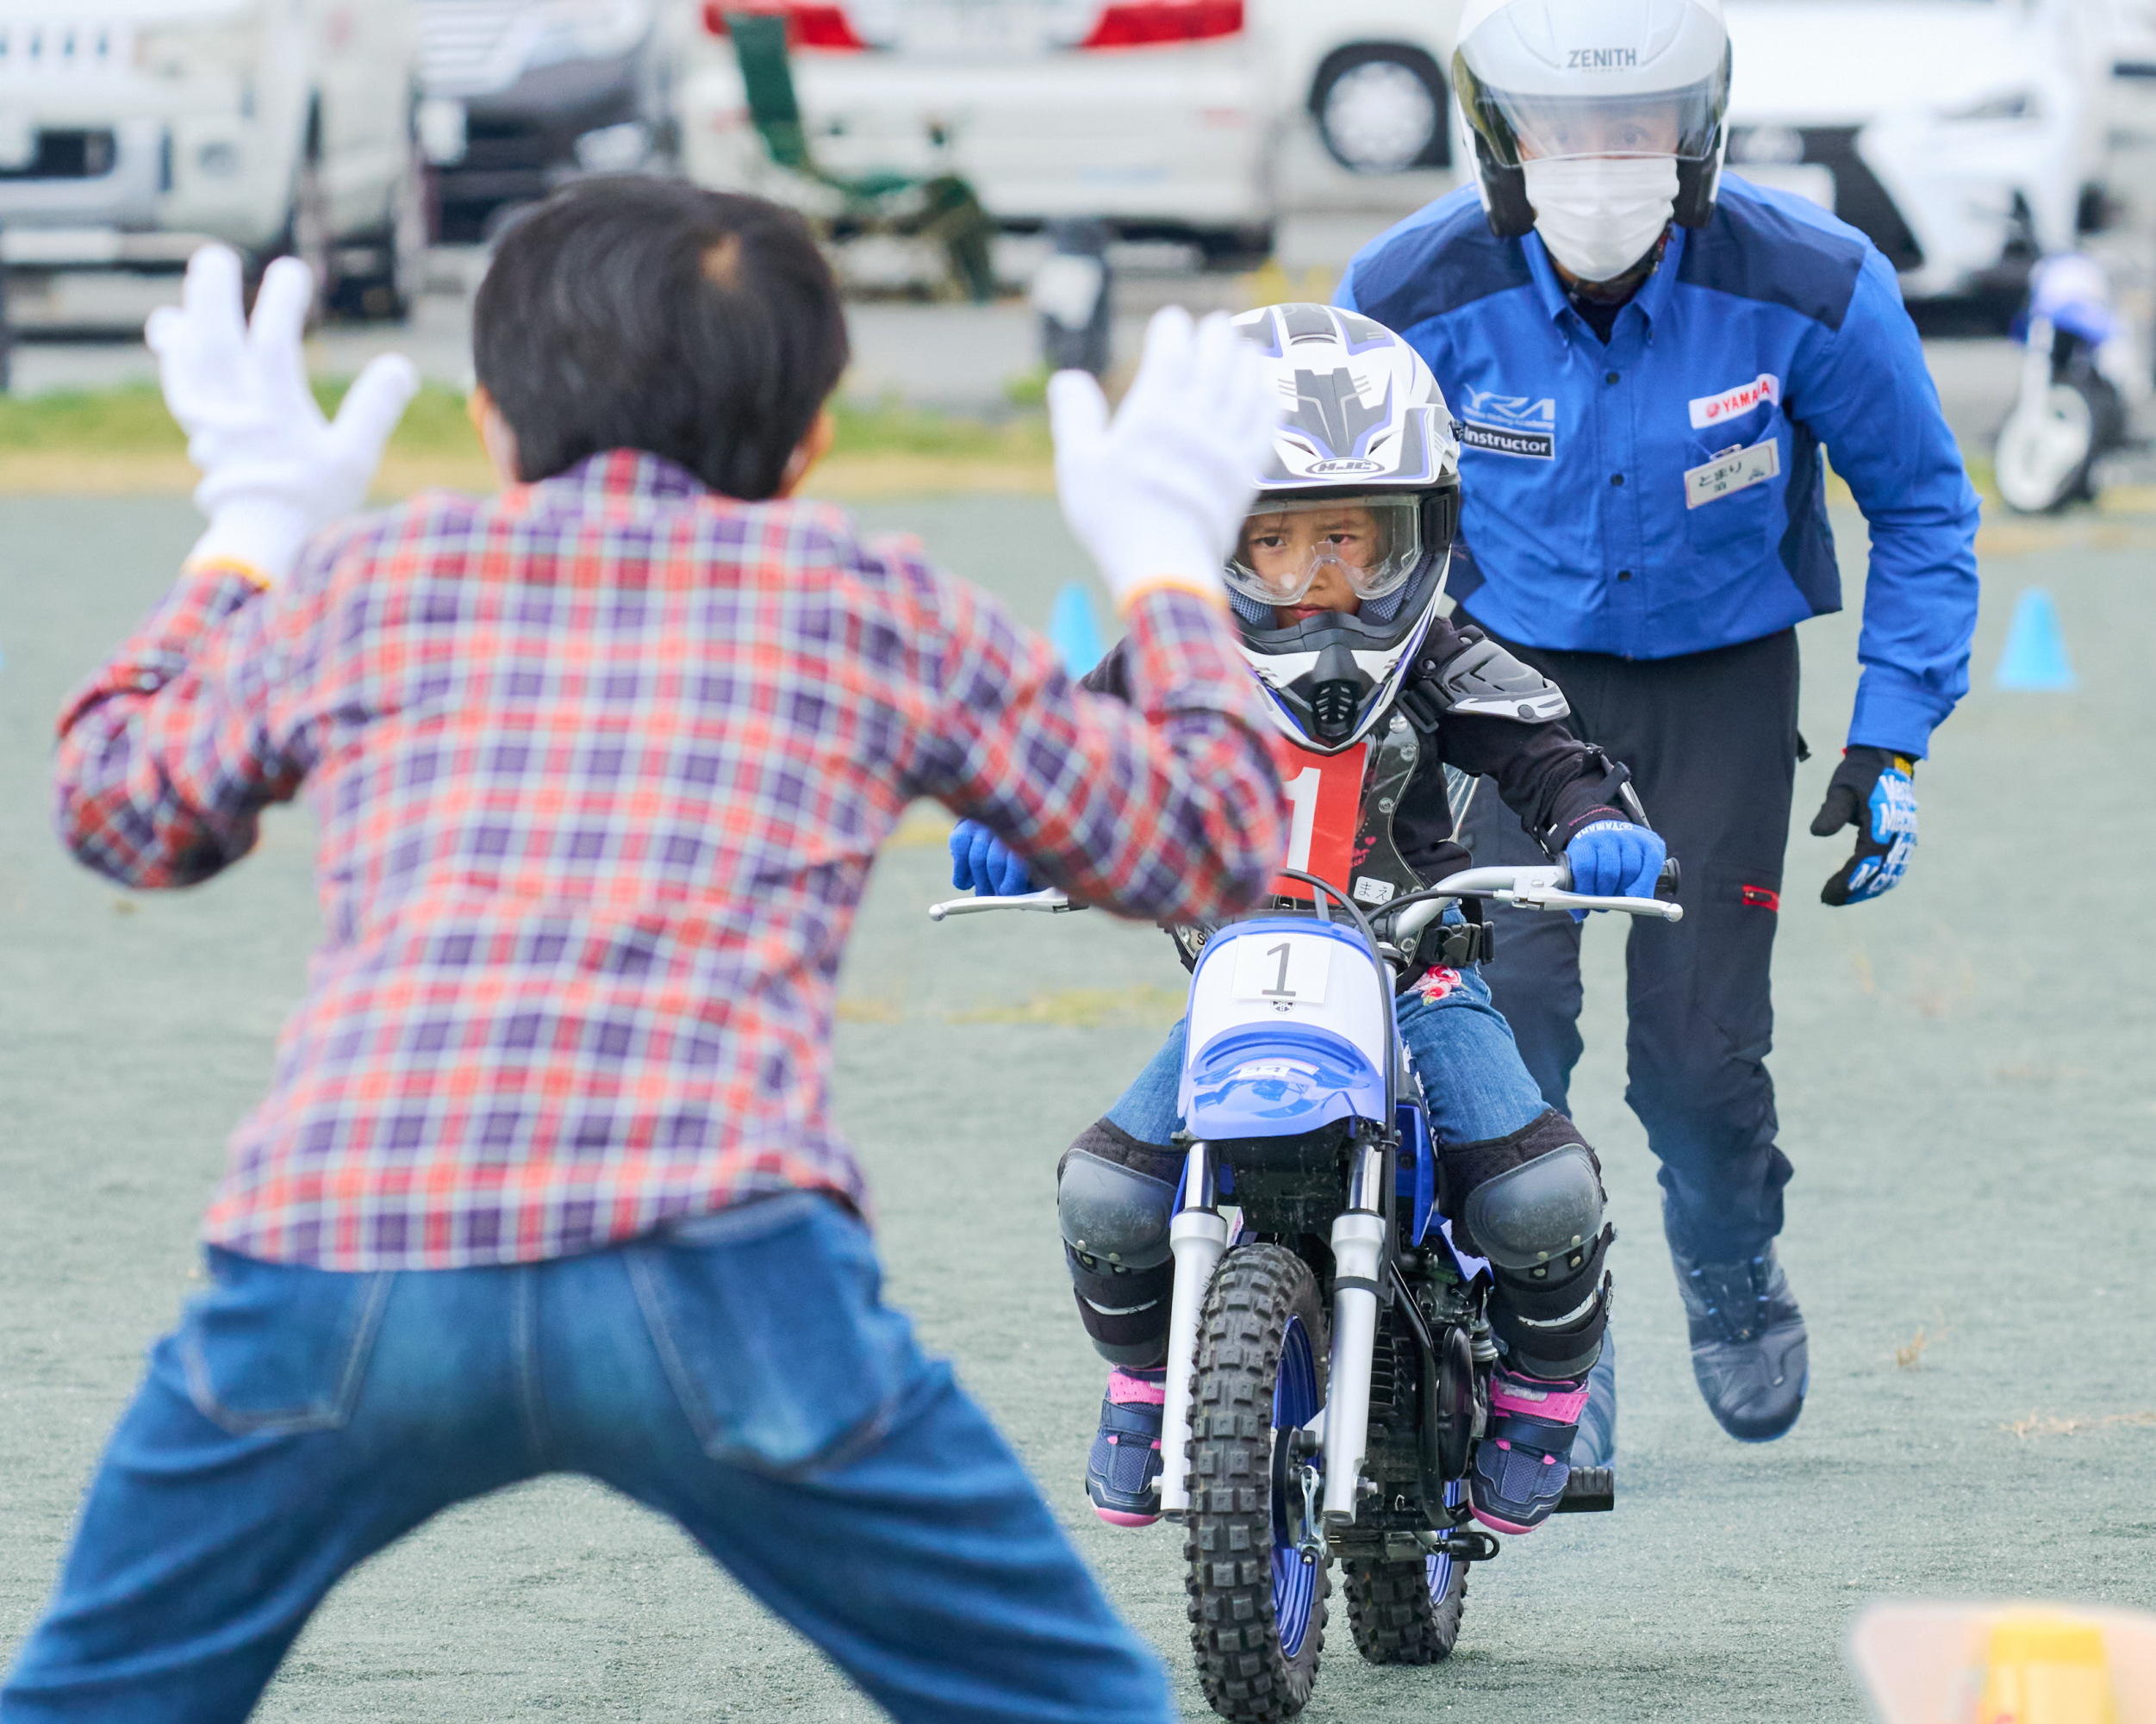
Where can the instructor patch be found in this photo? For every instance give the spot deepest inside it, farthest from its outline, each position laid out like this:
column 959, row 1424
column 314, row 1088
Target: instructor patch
column 1510, row 425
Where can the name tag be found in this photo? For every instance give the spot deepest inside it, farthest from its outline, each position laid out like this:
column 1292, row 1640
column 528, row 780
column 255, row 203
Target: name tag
column 1736, row 471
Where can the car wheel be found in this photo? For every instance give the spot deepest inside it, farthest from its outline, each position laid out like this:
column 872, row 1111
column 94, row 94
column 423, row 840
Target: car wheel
column 396, row 254
column 306, row 236
column 1381, row 110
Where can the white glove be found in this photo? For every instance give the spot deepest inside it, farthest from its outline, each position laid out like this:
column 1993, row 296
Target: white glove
column 274, row 471
column 1159, row 496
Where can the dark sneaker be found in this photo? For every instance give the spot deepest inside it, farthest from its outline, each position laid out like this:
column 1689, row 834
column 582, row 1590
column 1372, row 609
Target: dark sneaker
column 1596, row 1445
column 1747, row 1343
column 1525, row 1457
column 1123, row 1474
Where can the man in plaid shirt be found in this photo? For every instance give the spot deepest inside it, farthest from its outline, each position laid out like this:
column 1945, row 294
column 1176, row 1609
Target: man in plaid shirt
column 545, row 1179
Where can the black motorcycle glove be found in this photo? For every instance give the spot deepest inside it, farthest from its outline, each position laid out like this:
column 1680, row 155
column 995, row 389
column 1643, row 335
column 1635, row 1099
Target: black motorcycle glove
column 1873, row 791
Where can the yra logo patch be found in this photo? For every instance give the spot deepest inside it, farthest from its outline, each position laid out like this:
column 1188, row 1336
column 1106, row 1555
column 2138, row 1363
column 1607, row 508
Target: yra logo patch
column 1519, row 426
column 1601, row 59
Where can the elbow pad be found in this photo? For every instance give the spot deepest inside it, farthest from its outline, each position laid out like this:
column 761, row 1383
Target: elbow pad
column 1483, row 680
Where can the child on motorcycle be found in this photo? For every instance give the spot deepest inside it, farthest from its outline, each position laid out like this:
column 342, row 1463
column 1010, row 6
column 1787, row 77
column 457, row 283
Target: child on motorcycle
column 1336, row 586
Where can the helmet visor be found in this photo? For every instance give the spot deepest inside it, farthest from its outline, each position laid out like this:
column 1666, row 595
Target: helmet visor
column 1520, row 128
column 1369, row 545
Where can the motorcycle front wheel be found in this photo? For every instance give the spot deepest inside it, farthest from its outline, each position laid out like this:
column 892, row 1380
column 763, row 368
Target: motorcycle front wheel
column 2045, row 449
column 1257, row 1592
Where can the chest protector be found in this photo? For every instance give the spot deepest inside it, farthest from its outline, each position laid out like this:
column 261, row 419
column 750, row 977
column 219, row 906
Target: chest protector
column 1341, row 808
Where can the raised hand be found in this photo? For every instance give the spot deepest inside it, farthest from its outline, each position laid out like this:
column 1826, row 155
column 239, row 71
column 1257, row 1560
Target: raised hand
column 274, row 470
column 1157, row 492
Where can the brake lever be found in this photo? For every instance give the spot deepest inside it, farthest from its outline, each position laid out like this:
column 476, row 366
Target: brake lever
column 1555, row 898
column 1049, row 899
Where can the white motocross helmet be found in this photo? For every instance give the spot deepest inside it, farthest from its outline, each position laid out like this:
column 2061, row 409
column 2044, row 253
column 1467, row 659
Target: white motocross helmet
column 1553, row 80
column 1361, row 497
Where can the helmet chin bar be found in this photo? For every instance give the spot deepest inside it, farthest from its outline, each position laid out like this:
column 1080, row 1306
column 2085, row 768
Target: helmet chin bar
column 1338, row 685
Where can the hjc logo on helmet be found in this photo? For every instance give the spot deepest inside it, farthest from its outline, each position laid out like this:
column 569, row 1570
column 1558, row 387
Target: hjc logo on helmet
column 1348, row 467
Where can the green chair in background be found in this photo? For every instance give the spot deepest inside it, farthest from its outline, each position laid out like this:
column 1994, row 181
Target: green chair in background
column 942, row 209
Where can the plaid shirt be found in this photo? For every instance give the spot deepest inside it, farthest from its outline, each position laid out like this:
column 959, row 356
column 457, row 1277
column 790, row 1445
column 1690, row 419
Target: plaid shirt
column 599, row 768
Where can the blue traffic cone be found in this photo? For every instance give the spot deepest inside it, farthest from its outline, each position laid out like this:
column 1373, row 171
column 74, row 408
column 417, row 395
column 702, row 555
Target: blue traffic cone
column 1073, row 631
column 2035, row 657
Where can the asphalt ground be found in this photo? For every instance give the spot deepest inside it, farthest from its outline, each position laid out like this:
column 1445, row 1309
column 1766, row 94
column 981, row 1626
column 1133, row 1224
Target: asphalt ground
column 1966, row 1090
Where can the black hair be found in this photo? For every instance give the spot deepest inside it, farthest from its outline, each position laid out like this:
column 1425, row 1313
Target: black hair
column 644, row 314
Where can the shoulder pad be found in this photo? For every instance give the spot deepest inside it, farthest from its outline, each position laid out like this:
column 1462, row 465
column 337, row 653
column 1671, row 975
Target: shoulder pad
column 1483, row 679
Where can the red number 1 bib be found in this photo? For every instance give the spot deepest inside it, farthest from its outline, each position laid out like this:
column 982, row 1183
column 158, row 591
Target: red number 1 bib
column 1324, row 803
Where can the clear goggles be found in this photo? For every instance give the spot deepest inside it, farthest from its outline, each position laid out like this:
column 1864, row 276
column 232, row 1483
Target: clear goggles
column 1370, row 544
column 1682, row 123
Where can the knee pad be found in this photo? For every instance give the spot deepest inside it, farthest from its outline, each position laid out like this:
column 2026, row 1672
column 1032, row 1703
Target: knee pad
column 1536, row 1213
column 1113, row 1201
column 1538, row 1210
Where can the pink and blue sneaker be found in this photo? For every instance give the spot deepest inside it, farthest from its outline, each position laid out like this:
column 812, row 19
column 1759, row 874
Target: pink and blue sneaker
column 1524, row 1458
column 1123, row 1474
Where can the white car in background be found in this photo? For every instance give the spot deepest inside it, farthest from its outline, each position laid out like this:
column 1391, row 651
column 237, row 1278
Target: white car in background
column 1169, row 118
column 132, row 131
column 1965, row 137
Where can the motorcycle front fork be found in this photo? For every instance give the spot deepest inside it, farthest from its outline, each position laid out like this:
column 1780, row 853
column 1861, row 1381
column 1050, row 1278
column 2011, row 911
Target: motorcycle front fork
column 1198, row 1238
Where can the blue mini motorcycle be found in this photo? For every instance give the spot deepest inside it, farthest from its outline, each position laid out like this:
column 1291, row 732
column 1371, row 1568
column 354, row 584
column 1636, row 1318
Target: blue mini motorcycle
column 1329, row 1351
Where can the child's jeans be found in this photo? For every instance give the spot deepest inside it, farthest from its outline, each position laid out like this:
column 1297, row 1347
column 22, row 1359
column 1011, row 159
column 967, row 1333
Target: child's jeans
column 739, row 1374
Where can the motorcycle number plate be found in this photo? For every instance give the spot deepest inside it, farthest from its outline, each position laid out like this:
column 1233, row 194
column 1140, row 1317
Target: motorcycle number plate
column 1292, row 970
column 1324, row 803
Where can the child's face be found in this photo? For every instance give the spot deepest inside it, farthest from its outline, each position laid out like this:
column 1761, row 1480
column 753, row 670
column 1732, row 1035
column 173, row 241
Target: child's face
column 1280, row 547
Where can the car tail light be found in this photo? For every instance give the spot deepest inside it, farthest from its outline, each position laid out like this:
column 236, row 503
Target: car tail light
column 1148, row 23
column 809, row 24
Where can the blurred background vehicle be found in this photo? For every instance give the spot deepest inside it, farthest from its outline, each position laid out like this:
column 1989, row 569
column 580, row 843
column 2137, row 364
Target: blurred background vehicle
column 519, row 95
column 132, row 131
column 2080, row 379
column 1966, row 137
column 1172, row 120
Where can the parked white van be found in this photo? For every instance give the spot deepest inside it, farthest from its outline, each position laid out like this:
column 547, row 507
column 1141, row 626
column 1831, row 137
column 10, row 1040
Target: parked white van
column 1188, row 120
column 1965, row 137
column 132, row 131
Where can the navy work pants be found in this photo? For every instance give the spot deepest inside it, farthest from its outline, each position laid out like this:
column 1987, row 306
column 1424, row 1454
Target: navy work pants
column 1711, row 738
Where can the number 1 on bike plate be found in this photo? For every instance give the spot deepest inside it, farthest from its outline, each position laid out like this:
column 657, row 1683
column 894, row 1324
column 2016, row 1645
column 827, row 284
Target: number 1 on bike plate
column 1286, row 973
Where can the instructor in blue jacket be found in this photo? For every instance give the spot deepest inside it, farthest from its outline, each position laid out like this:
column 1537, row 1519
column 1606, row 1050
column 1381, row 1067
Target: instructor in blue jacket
column 1650, row 361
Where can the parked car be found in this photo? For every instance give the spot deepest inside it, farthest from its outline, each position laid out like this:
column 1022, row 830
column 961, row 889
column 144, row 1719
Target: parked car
column 1965, row 137
column 521, row 94
column 1168, row 119
column 132, row 131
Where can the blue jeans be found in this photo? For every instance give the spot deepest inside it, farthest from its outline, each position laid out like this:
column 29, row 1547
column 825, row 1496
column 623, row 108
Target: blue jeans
column 739, row 1374
column 1459, row 1045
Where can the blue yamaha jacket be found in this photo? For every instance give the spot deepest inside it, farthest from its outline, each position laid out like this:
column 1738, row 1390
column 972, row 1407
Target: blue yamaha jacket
column 1666, row 494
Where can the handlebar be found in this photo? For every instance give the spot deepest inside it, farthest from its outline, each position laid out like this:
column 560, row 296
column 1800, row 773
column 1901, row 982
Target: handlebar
column 1547, row 887
column 1048, row 899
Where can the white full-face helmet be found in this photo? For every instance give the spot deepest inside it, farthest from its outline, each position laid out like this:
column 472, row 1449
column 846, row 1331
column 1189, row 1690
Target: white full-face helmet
column 1362, row 491
column 1578, row 107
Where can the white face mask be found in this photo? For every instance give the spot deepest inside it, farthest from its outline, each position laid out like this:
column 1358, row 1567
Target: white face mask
column 1601, row 215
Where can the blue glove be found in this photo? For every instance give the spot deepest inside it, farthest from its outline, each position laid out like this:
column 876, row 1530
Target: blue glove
column 1873, row 791
column 1615, row 859
column 981, row 863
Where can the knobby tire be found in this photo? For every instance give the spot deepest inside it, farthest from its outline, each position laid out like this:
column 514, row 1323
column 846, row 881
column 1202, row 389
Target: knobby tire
column 1247, row 1674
